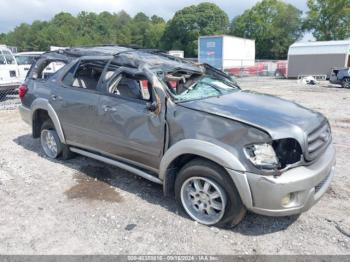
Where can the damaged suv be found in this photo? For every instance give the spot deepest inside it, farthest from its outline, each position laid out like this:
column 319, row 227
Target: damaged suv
column 218, row 149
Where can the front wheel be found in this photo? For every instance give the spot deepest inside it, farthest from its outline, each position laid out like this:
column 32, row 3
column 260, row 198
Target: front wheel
column 208, row 195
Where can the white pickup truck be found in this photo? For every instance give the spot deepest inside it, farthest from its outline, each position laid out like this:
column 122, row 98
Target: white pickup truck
column 9, row 72
column 25, row 61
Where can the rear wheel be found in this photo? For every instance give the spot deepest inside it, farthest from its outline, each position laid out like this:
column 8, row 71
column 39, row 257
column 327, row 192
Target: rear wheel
column 208, row 195
column 346, row 83
column 51, row 144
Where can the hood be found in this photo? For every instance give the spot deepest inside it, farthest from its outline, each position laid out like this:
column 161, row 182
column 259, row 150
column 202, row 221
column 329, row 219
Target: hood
column 279, row 117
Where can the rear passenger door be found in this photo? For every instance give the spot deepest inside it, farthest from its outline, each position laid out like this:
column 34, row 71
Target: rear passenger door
column 129, row 129
column 75, row 101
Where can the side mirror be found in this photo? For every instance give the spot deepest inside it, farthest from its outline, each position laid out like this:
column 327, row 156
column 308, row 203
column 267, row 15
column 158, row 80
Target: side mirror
column 152, row 106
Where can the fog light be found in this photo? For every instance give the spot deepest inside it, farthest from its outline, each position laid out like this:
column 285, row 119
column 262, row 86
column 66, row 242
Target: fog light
column 286, row 200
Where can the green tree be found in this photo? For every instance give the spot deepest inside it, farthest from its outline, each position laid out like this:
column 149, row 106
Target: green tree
column 273, row 24
column 140, row 27
column 157, row 19
column 28, row 37
column 328, row 19
column 2, row 38
column 87, row 29
column 60, row 31
column 19, row 37
column 155, row 33
column 183, row 30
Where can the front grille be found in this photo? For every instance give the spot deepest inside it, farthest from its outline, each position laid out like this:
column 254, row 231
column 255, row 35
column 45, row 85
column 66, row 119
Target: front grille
column 320, row 185
column 317, row 141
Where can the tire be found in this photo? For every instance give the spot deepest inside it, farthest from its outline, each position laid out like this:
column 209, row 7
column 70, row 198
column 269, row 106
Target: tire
column 218, row 204
column 51, row 143
column 346, row 82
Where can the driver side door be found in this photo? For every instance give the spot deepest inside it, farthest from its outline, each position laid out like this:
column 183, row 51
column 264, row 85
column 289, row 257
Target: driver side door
column 130, row 130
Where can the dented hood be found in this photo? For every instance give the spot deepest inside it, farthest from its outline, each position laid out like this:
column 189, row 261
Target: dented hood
column 279, row 117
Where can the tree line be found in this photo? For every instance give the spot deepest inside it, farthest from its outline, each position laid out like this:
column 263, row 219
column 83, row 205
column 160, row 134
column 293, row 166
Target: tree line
column 274, row 25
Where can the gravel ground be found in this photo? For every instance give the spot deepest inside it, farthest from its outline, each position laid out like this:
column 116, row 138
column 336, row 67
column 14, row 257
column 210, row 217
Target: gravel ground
column 9, row 100
column 82, row 206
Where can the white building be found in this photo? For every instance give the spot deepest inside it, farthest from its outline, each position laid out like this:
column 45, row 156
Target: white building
column 317, row 58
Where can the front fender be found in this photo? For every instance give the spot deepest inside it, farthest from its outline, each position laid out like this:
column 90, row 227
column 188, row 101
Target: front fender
column 203, row 149
column 210, row 151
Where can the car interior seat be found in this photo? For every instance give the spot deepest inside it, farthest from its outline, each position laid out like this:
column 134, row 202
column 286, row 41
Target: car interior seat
column 129, row 88
column 86, row 78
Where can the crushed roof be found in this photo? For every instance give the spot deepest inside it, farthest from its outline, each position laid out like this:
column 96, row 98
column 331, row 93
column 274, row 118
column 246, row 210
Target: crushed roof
column 131, row 56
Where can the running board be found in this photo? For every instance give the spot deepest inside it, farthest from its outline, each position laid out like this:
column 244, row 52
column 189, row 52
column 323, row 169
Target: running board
column 118, row 164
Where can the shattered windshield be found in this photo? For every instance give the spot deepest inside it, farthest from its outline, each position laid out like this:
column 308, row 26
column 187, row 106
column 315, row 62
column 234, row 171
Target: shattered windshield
column 185, row 87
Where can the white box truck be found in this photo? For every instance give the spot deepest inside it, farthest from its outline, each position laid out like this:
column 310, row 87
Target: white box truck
column 225, row 52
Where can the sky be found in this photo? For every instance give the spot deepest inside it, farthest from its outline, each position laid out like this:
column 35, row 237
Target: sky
column 15, row 12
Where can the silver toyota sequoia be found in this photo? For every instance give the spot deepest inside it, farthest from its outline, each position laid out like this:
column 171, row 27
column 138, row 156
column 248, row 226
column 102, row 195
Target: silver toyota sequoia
column 217, row 149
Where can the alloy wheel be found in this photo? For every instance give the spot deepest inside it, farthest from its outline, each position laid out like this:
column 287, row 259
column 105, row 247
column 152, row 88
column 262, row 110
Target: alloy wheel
column 203, row 199
column 49, row 143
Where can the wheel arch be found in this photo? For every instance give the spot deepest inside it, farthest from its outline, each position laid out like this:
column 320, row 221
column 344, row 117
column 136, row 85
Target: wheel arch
column 186, row 150
column 38, row 108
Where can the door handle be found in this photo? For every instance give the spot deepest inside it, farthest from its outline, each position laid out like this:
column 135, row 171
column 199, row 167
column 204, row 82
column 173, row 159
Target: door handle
column 109, row 108
column 55, row 97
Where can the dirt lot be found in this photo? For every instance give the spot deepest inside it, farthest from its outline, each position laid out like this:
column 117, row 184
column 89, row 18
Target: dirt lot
column 82, row 206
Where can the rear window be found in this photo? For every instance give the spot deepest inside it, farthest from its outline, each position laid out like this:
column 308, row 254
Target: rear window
column 44, row 69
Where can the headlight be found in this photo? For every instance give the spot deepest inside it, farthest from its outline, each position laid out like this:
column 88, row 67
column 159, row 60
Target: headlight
column 262, row 156
column 288, row 151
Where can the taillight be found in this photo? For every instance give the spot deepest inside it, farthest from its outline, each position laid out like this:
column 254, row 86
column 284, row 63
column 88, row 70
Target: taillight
column 144, row 84
column 22, row 90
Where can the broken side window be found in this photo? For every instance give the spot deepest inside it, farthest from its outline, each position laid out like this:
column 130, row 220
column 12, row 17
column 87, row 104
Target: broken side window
column 86, row 74
column 52, row 68
column 45, row 68
column 130, row 87
column 110, row 71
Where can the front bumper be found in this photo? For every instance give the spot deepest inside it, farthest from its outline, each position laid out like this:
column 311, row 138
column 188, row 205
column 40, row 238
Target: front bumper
column 306, row 184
